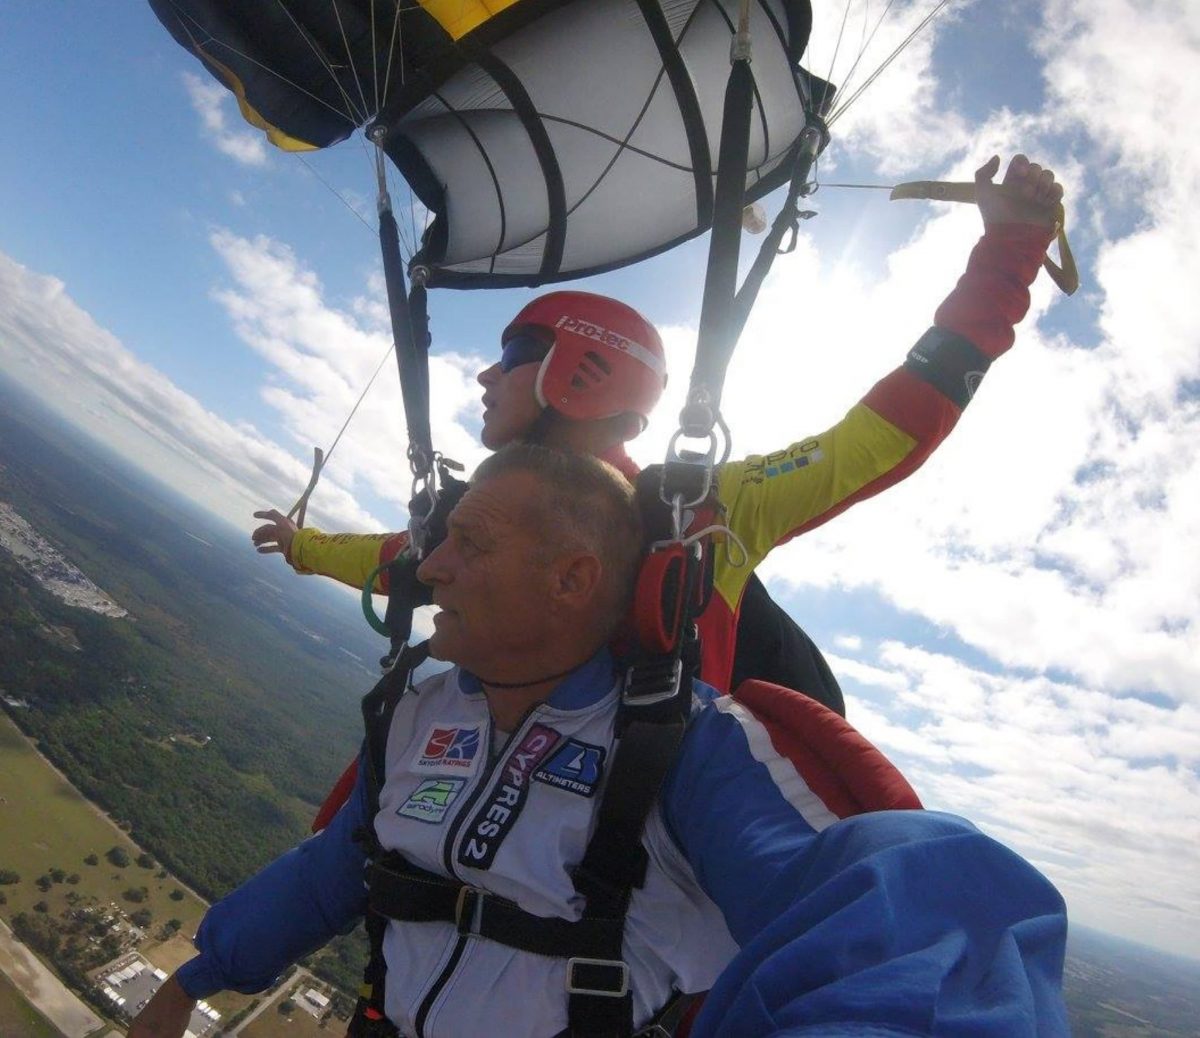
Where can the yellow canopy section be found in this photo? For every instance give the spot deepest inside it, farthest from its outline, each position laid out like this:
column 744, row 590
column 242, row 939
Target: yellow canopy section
column 274, row 134
column 459, row 17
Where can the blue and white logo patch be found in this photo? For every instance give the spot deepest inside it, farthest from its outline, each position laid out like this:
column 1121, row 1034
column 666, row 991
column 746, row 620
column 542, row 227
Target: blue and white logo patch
column 576, row 767
column 431, row 800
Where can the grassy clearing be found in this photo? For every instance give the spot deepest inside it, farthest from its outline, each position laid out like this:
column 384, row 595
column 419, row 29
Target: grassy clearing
column 47, row 825
column 270, row 1023
column 18, row 1017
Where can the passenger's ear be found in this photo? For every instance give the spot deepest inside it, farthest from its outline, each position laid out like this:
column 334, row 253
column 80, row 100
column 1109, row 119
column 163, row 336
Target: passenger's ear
column 577, row 581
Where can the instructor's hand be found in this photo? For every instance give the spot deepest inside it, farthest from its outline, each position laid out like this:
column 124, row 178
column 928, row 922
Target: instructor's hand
column 275, row 536
column 166, row 1015
column 1028, row 193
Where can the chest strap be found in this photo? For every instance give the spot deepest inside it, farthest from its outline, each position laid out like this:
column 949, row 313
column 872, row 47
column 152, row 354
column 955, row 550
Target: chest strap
column 399, row 890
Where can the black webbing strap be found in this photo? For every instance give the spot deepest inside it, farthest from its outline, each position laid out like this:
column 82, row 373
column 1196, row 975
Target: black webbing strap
column 400, row 890
column 411, row 355
column 655, row 704
column 405, row 591
column 726, row 308
column 786, row 221
column 378, row 706
column 950, row 363
column 715, row 345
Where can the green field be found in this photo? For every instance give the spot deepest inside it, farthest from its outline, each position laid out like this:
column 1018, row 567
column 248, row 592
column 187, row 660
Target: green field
column 48, row 825
column 45, row 825
column 272, row 1024
column 18, row 1017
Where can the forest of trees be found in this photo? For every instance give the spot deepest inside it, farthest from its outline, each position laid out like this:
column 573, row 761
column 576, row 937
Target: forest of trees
column 127, row 715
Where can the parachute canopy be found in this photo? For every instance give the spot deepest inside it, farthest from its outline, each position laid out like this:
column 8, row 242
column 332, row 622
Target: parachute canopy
column 549, row 139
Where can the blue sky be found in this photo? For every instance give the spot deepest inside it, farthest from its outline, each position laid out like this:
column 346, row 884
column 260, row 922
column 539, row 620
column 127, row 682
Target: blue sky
column 1015, row 625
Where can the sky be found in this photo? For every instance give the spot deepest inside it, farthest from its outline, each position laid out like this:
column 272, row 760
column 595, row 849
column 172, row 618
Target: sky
column 1015, row 625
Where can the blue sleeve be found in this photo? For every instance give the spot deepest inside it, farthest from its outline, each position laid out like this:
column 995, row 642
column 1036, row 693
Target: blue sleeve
column 891, row 923
column 294, row 906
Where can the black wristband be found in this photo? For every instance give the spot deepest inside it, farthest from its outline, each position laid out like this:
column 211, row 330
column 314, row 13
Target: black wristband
column 954, row 366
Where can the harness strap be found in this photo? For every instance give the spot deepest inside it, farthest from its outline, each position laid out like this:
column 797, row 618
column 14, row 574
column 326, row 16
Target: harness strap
column 378, row 706
column 401, row 891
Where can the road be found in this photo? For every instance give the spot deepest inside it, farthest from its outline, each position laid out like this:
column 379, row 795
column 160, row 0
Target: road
column 44, row 989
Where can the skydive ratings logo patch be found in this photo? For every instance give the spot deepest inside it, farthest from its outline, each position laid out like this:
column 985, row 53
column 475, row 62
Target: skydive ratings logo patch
column 576, row 767
column 453, row 748
column 502, row 806
column 431, row 800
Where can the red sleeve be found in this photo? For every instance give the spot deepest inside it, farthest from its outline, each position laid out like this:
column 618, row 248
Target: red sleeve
column 992, row 296
column 388, row 550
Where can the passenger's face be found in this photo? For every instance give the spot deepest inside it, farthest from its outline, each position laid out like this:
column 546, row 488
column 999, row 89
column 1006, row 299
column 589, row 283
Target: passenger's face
column 487, row 578
column 510, row 404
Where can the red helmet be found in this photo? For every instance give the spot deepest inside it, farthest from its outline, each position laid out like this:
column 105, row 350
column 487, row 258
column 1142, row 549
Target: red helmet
column 605, row 359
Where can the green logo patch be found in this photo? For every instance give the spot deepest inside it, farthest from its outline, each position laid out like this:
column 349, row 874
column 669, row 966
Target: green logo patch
column 430, row 801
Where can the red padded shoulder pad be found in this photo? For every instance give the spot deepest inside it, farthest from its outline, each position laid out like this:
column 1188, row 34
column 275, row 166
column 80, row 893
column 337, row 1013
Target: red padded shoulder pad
column 836, row 761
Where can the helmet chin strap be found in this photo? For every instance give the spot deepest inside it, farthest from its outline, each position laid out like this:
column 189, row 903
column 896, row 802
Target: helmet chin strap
column 542, row 431
column 543, row 425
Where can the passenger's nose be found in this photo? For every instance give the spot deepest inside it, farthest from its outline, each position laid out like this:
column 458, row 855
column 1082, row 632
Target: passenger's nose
column 433, row 569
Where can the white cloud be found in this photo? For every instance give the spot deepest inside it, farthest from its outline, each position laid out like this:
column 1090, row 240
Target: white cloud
column 320, row 356
column 58, row 349
column 1101, row 793
column 209, row 99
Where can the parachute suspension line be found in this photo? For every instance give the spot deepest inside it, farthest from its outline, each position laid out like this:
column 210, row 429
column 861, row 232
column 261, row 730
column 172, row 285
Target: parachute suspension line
column 336, row 193
column 863, row 187
column 397, row 38
column 321, row 458
column 838, row 44
column 350, row 60
column 864, row 44
column 198, row 47
column 937, row 9
column 374, row 62
column 351, row 112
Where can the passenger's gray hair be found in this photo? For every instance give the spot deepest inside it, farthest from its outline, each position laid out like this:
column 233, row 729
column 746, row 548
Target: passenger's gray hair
column 585, row 505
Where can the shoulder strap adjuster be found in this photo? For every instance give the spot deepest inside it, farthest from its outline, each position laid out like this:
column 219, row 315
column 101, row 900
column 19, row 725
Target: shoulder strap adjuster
column 599, row 978
column 652, row 681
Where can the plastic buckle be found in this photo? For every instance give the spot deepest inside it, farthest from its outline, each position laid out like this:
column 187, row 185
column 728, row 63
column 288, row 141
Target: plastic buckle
column 469, row 921
column 578, row 987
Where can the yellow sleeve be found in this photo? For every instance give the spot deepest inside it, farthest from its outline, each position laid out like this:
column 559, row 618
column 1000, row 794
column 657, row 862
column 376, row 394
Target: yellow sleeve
column 348, row 557
column 771, row 498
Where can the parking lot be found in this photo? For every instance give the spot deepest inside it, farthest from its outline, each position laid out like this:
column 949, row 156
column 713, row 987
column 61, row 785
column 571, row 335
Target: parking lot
column 130, row 982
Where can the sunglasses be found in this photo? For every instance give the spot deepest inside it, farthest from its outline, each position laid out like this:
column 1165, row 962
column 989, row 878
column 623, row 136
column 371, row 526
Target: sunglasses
column 523, row 349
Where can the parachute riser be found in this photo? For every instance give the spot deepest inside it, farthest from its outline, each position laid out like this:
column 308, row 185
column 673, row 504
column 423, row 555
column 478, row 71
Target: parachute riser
column 725, row 308
column 409, row 316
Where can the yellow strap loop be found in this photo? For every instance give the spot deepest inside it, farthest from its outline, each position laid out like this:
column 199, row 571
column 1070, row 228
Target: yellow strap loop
column 1066, row 276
